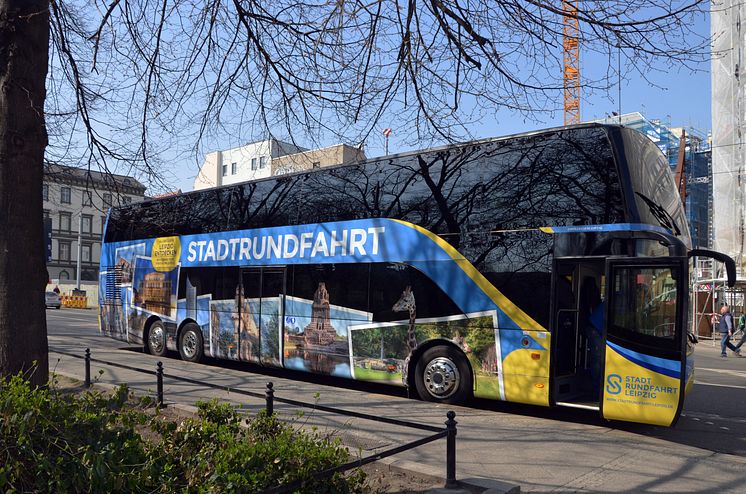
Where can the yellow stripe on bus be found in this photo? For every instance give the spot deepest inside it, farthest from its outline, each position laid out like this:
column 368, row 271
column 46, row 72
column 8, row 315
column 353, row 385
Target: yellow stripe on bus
column 523, row 320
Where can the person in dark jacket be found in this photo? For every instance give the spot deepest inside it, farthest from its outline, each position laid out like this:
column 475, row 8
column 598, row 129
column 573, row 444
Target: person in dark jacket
column 726, row 331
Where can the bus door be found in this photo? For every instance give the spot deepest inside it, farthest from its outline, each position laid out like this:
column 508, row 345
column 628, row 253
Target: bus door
column 644, row 373
column 261, row 308
column 577, row 332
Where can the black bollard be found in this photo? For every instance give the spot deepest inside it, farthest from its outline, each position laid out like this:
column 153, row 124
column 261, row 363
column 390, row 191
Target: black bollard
column 87, row 367
column 159, row 384
column 270, row 395
column 451, row 450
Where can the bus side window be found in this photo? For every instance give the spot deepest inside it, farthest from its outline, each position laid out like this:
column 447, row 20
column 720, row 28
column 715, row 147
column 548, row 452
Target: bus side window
column 220, row 283
column 346, row 284
column 387, row 282
column 519, row 265
column 390, row 280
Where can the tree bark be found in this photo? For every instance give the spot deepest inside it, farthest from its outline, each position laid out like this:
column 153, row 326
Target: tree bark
column 24, row 45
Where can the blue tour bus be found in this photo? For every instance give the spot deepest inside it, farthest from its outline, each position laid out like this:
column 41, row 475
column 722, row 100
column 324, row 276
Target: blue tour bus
column 548, row 268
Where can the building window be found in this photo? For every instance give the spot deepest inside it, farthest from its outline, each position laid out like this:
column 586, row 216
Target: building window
column 87, row 223
column 103, row 224
column 65, row 221
column 234, row 168
column 85, row 252
column 64, row 275
column 262, row 161
column 253, row 163
column 225, row 170
column 63, row 250
column 107, row 199
column 46, row 213
column 65, row 195
column 316, row 164
column 45, row 192
column 87, row 198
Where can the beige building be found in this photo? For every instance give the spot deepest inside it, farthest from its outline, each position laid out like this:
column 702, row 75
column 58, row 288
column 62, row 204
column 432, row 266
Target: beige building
column 78, row 199
column 250, row 162
column 339, row 154
column 268, row 158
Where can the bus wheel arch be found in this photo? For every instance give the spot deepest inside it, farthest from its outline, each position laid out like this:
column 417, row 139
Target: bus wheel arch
column 181, row 327
column 154, row 337
column 439, row 371
column 190, row 342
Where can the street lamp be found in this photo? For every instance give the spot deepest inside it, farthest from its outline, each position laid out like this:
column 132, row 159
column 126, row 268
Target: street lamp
column 80, row 229
column 619, row 77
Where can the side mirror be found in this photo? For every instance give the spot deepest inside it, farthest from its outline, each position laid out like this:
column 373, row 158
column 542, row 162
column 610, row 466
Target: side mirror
column 730, row 264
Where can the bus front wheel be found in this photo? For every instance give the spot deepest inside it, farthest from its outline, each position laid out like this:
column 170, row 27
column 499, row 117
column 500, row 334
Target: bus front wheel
column 442, row 375
column 156, row 341
column 190, row 343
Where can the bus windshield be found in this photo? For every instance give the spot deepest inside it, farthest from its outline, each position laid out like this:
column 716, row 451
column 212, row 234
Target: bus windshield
column 655, row 195
column 646, row 303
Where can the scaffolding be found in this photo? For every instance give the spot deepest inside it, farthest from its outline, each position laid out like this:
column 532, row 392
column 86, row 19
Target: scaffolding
column 708, row 292
column 728, row 126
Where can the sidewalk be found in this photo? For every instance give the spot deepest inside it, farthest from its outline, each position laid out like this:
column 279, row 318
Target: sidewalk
column 539, row 453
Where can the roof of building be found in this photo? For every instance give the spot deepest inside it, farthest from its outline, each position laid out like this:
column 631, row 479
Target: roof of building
column 166, row 194
column 83, row 176
column 260, row 141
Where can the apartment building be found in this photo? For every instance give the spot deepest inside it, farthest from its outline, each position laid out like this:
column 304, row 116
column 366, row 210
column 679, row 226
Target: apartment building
column 269, row 158
column 249, row 162
column 77, row 200
column 339, row 154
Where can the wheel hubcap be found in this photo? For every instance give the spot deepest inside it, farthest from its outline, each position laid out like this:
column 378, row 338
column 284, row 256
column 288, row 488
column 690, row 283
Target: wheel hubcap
column 157, row 339
column 441, row 377
column 189, row 344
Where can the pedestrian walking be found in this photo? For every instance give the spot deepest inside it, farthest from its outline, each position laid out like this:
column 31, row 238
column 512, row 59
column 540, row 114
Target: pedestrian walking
column 726, row 332
column 741, row 332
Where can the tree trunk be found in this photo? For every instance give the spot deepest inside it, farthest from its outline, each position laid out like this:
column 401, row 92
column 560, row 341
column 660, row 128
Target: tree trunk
column 24, row 45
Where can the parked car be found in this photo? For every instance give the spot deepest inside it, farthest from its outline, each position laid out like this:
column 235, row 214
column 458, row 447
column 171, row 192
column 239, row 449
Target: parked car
column 53, row 300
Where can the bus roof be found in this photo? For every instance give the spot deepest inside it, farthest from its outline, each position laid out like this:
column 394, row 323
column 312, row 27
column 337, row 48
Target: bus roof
column 404, row 154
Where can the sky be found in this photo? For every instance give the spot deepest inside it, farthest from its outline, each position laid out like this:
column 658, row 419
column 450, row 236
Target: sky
column 677, row 97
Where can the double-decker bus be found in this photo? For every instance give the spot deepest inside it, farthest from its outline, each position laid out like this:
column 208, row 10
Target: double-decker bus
column 548, row 268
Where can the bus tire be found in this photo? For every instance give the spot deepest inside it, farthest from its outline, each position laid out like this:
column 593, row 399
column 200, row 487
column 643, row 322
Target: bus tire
column 442, row 375
column 155, row 342
column 191, row 347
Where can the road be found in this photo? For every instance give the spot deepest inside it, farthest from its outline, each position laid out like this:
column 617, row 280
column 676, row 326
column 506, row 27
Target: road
column 558, row 450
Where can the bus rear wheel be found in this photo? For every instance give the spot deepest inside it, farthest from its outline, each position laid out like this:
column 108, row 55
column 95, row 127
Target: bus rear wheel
column 191, row 348
column 442, row 375
column 156, row 342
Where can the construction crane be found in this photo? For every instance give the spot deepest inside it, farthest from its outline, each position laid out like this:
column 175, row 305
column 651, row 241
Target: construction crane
column 680, row 173
column 571, row 59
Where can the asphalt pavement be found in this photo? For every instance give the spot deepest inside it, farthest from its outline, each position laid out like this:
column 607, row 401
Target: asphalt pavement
column 540, row 450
